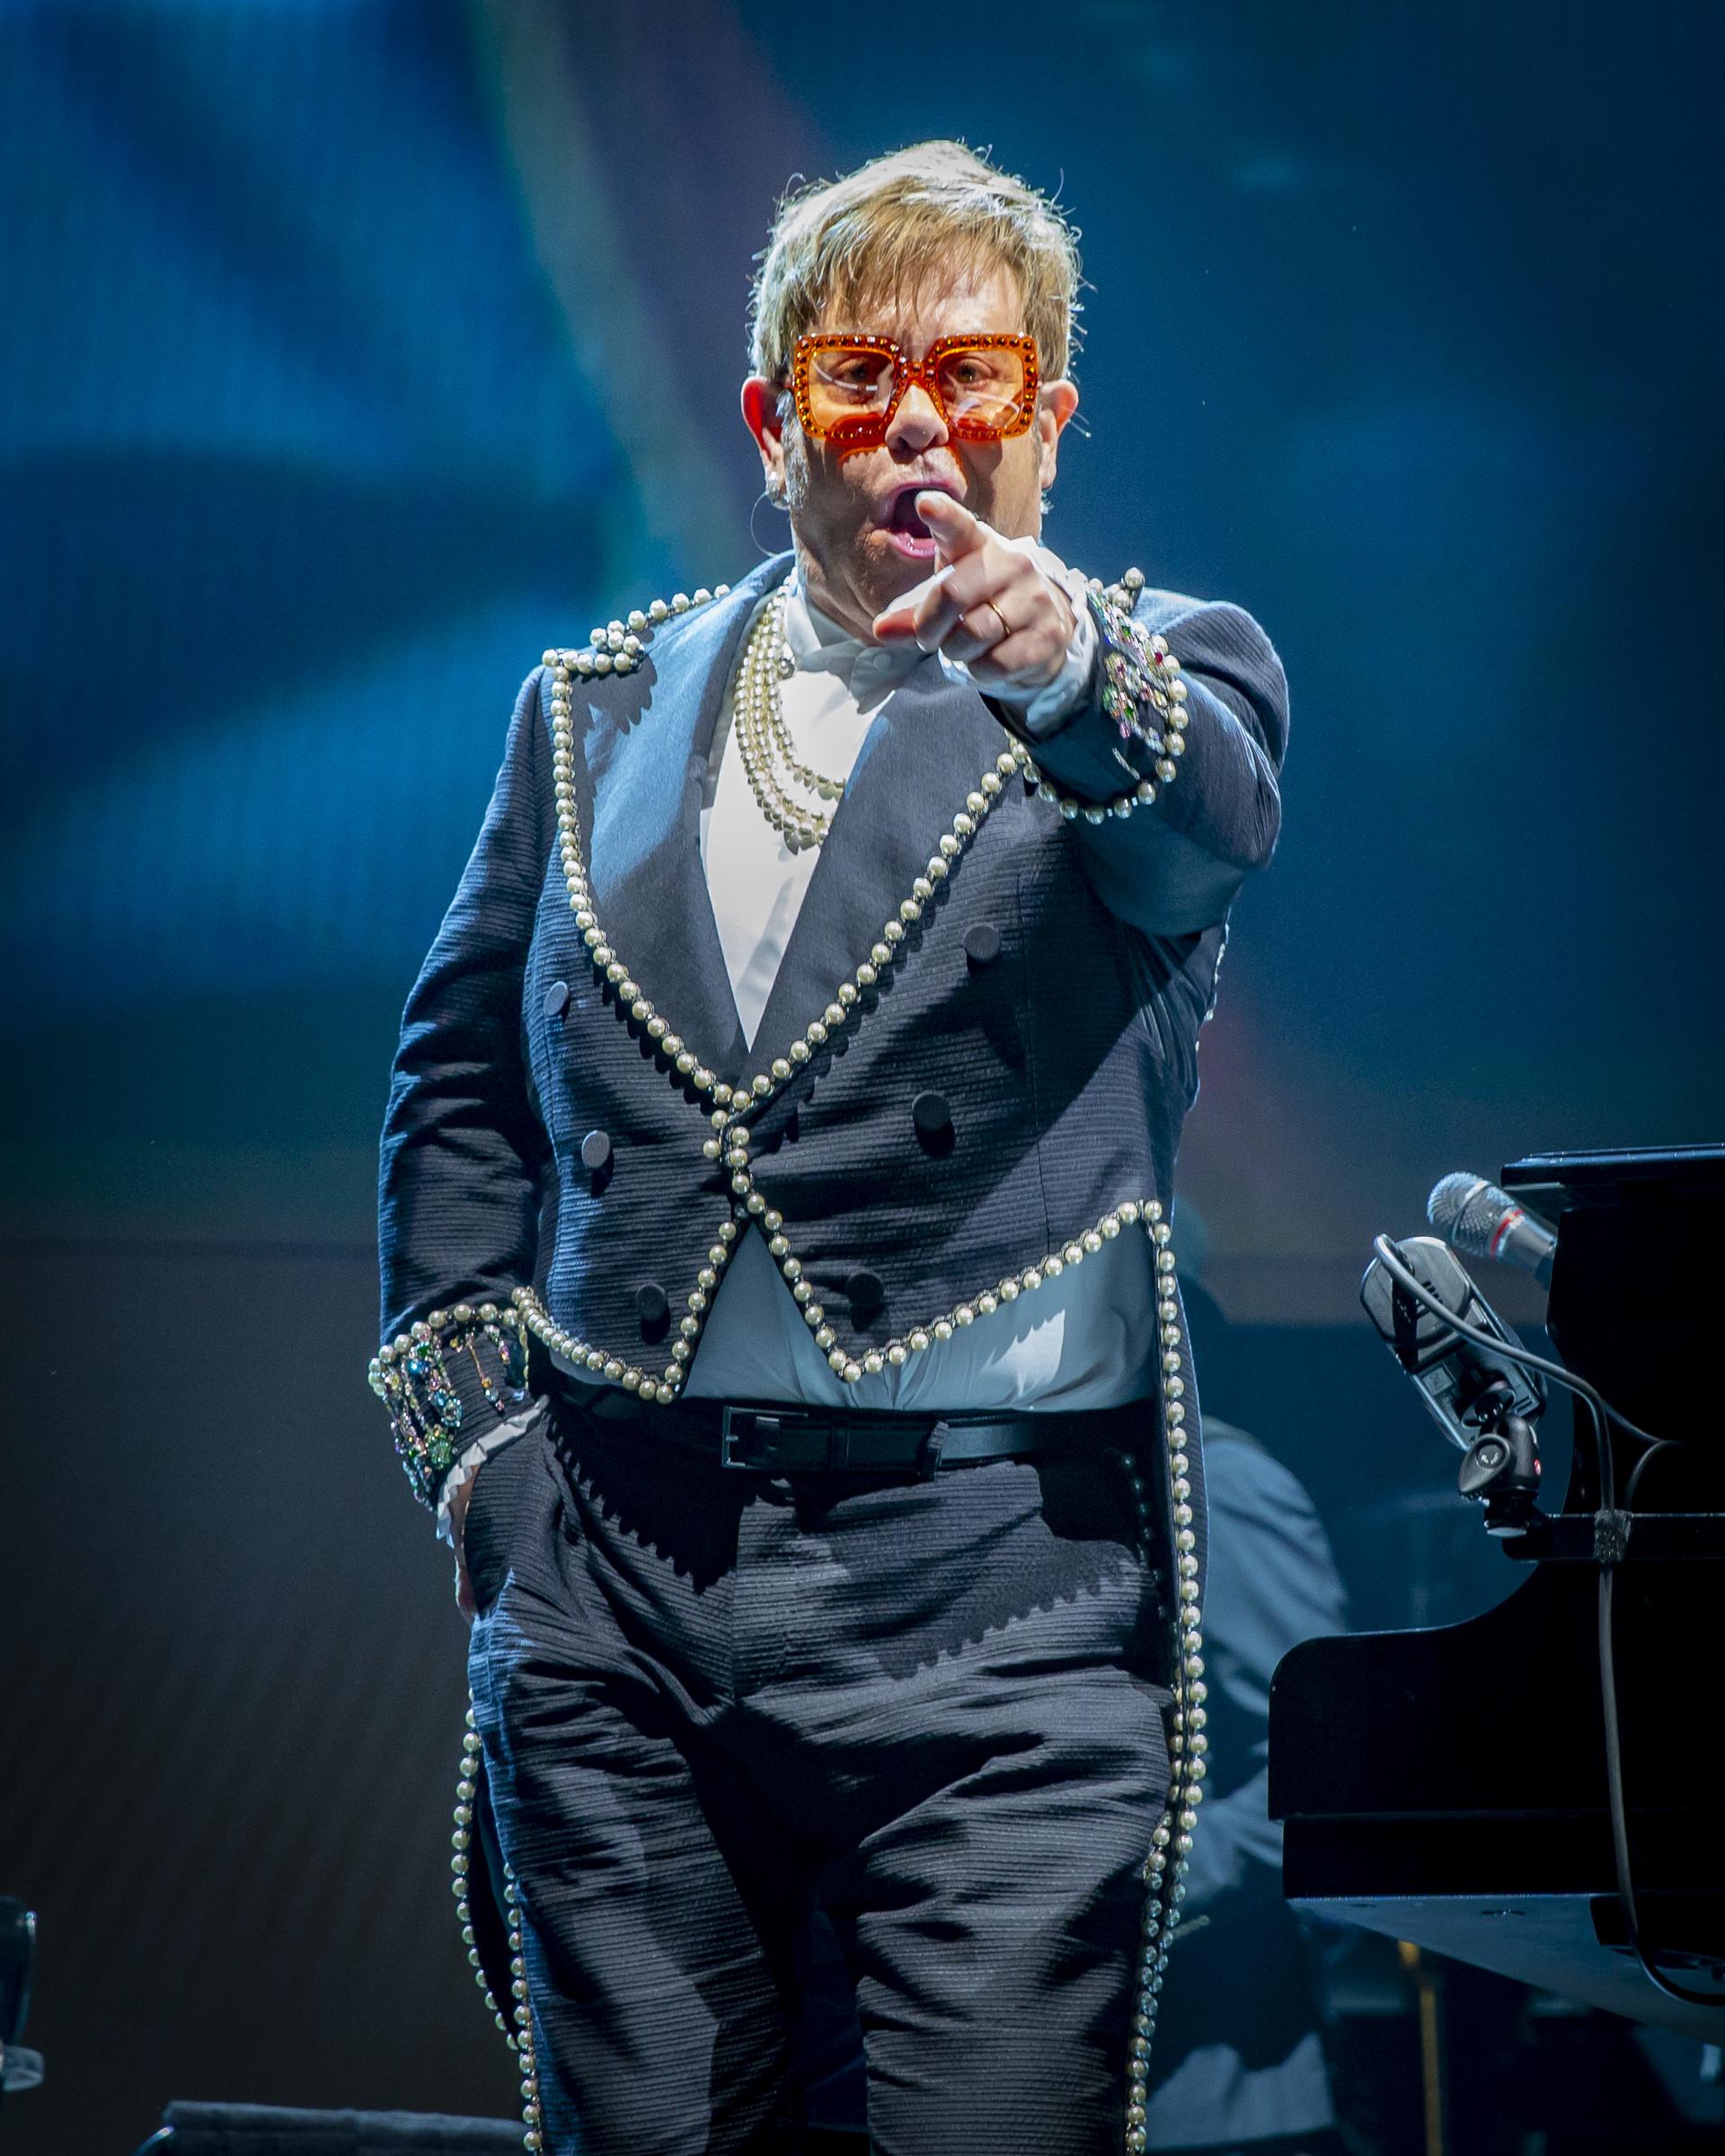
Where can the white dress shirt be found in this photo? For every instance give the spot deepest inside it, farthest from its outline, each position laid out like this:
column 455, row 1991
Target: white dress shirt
column 1084, row 1340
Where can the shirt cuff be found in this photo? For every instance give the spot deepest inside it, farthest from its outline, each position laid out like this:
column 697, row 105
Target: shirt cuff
column 1043, row 706
column 467, row 1463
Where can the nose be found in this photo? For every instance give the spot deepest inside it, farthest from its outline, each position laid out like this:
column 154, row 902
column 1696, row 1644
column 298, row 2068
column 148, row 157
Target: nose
column 917, row 424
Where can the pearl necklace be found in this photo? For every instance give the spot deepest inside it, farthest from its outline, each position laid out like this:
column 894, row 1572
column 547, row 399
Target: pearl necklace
column 766, row 743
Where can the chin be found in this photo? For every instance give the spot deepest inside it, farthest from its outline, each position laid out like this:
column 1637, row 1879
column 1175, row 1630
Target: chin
column 888, row 568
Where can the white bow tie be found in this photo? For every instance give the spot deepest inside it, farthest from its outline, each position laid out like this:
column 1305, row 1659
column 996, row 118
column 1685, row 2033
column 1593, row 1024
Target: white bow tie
column 820, row 646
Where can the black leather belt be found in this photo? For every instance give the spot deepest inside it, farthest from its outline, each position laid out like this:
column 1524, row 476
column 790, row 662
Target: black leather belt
column 767, row 1438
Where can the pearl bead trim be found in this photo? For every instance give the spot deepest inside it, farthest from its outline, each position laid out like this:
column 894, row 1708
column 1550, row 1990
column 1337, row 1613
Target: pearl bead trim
column 1171, row 1844
column 729, row 1104
column 618, row 648
column 882, row 954
column 518, row 2024
column 611, row 1368
column 1168, row 698
column 1165, row 1868
column 916, row 1339
column 409, row 1374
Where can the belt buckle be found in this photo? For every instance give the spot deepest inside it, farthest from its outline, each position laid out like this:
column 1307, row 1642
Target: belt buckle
column 765, row 1428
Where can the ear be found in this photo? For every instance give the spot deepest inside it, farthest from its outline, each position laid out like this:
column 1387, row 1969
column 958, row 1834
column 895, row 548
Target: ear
column 761, row 397
column 1055, row 406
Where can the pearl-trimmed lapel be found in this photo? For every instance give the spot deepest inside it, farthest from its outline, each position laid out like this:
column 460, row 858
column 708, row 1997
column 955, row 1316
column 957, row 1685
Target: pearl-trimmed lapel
column 646, row 743
column 918, row 760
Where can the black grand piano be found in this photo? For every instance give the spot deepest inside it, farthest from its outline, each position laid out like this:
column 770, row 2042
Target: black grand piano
column 1448, row 1787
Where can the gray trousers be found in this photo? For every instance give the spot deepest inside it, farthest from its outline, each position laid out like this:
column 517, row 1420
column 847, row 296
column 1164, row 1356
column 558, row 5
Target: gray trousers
column 708, row 1700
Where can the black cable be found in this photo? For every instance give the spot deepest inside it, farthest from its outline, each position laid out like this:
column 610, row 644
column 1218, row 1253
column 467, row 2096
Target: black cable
column 1599, row 1409
column 1618, row 1808
column 1390, row 1258
column 1659, row 1444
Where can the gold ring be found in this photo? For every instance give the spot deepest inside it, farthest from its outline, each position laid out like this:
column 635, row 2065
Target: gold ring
column 1005, row 626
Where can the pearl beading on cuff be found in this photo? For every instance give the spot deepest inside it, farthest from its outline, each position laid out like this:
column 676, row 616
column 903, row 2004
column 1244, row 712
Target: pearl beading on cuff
column 1144, row 695
column 410, row 1376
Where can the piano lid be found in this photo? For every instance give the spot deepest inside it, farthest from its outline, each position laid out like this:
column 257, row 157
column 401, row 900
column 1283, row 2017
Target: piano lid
column 1550, row 1183
column 1449, row 1786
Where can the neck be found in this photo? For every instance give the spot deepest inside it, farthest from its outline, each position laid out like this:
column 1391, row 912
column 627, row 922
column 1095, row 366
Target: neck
column 833, row 600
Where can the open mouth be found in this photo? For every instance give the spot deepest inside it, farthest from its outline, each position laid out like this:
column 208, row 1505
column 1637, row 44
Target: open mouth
column 903, row 517
column 905, row 529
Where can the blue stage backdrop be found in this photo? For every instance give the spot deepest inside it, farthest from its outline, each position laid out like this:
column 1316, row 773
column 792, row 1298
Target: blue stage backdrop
column 354, row 352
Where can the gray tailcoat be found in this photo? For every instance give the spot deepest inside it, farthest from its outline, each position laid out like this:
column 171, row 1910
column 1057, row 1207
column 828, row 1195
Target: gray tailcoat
column 1066, row 1063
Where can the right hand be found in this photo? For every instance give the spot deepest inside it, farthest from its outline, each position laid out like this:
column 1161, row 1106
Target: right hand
column 458, row 1505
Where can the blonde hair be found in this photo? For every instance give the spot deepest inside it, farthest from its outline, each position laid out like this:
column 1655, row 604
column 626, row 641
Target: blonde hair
column 883, row 230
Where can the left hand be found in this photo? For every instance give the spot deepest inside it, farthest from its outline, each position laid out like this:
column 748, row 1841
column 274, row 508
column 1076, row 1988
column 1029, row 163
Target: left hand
column 988, row 604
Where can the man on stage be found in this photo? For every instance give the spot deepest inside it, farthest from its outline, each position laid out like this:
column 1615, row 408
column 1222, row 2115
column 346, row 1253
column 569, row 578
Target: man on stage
column 779, row 1308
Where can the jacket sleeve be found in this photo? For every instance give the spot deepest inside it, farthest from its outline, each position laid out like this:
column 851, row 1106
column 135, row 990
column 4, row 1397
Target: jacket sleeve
column 464, row 1153
column 1172, row 864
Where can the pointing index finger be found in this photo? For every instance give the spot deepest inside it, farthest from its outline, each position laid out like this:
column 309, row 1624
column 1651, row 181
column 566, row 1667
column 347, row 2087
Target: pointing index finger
column 905, row 615
column 956, row 531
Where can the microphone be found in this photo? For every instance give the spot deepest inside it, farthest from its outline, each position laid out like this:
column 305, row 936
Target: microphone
column 1485, row 1400
column 1484, row 1221
column 1461, row 1384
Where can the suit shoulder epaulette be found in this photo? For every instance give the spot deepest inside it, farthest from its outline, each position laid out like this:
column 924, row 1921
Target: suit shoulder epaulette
column 618, row 647
column 1123, row 594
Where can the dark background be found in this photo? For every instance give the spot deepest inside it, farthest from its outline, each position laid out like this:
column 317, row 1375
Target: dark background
column 350, row 353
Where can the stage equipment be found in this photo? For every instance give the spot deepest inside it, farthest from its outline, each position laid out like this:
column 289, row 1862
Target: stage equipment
column 1534, row 1790
column 1480, row 1220
column 269, row 2130
column 19, row 2068
column 266, row 2130
column 1481, row 1396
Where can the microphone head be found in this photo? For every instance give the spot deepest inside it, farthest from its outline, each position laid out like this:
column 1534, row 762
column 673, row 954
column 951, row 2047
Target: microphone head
column 1477, row 1218
column 1467, row 1212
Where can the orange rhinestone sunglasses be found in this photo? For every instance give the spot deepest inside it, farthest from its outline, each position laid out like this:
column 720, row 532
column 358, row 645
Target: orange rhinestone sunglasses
column 848, row 386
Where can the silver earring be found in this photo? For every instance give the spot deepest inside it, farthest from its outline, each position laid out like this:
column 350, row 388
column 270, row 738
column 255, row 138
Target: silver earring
column 774, row 544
